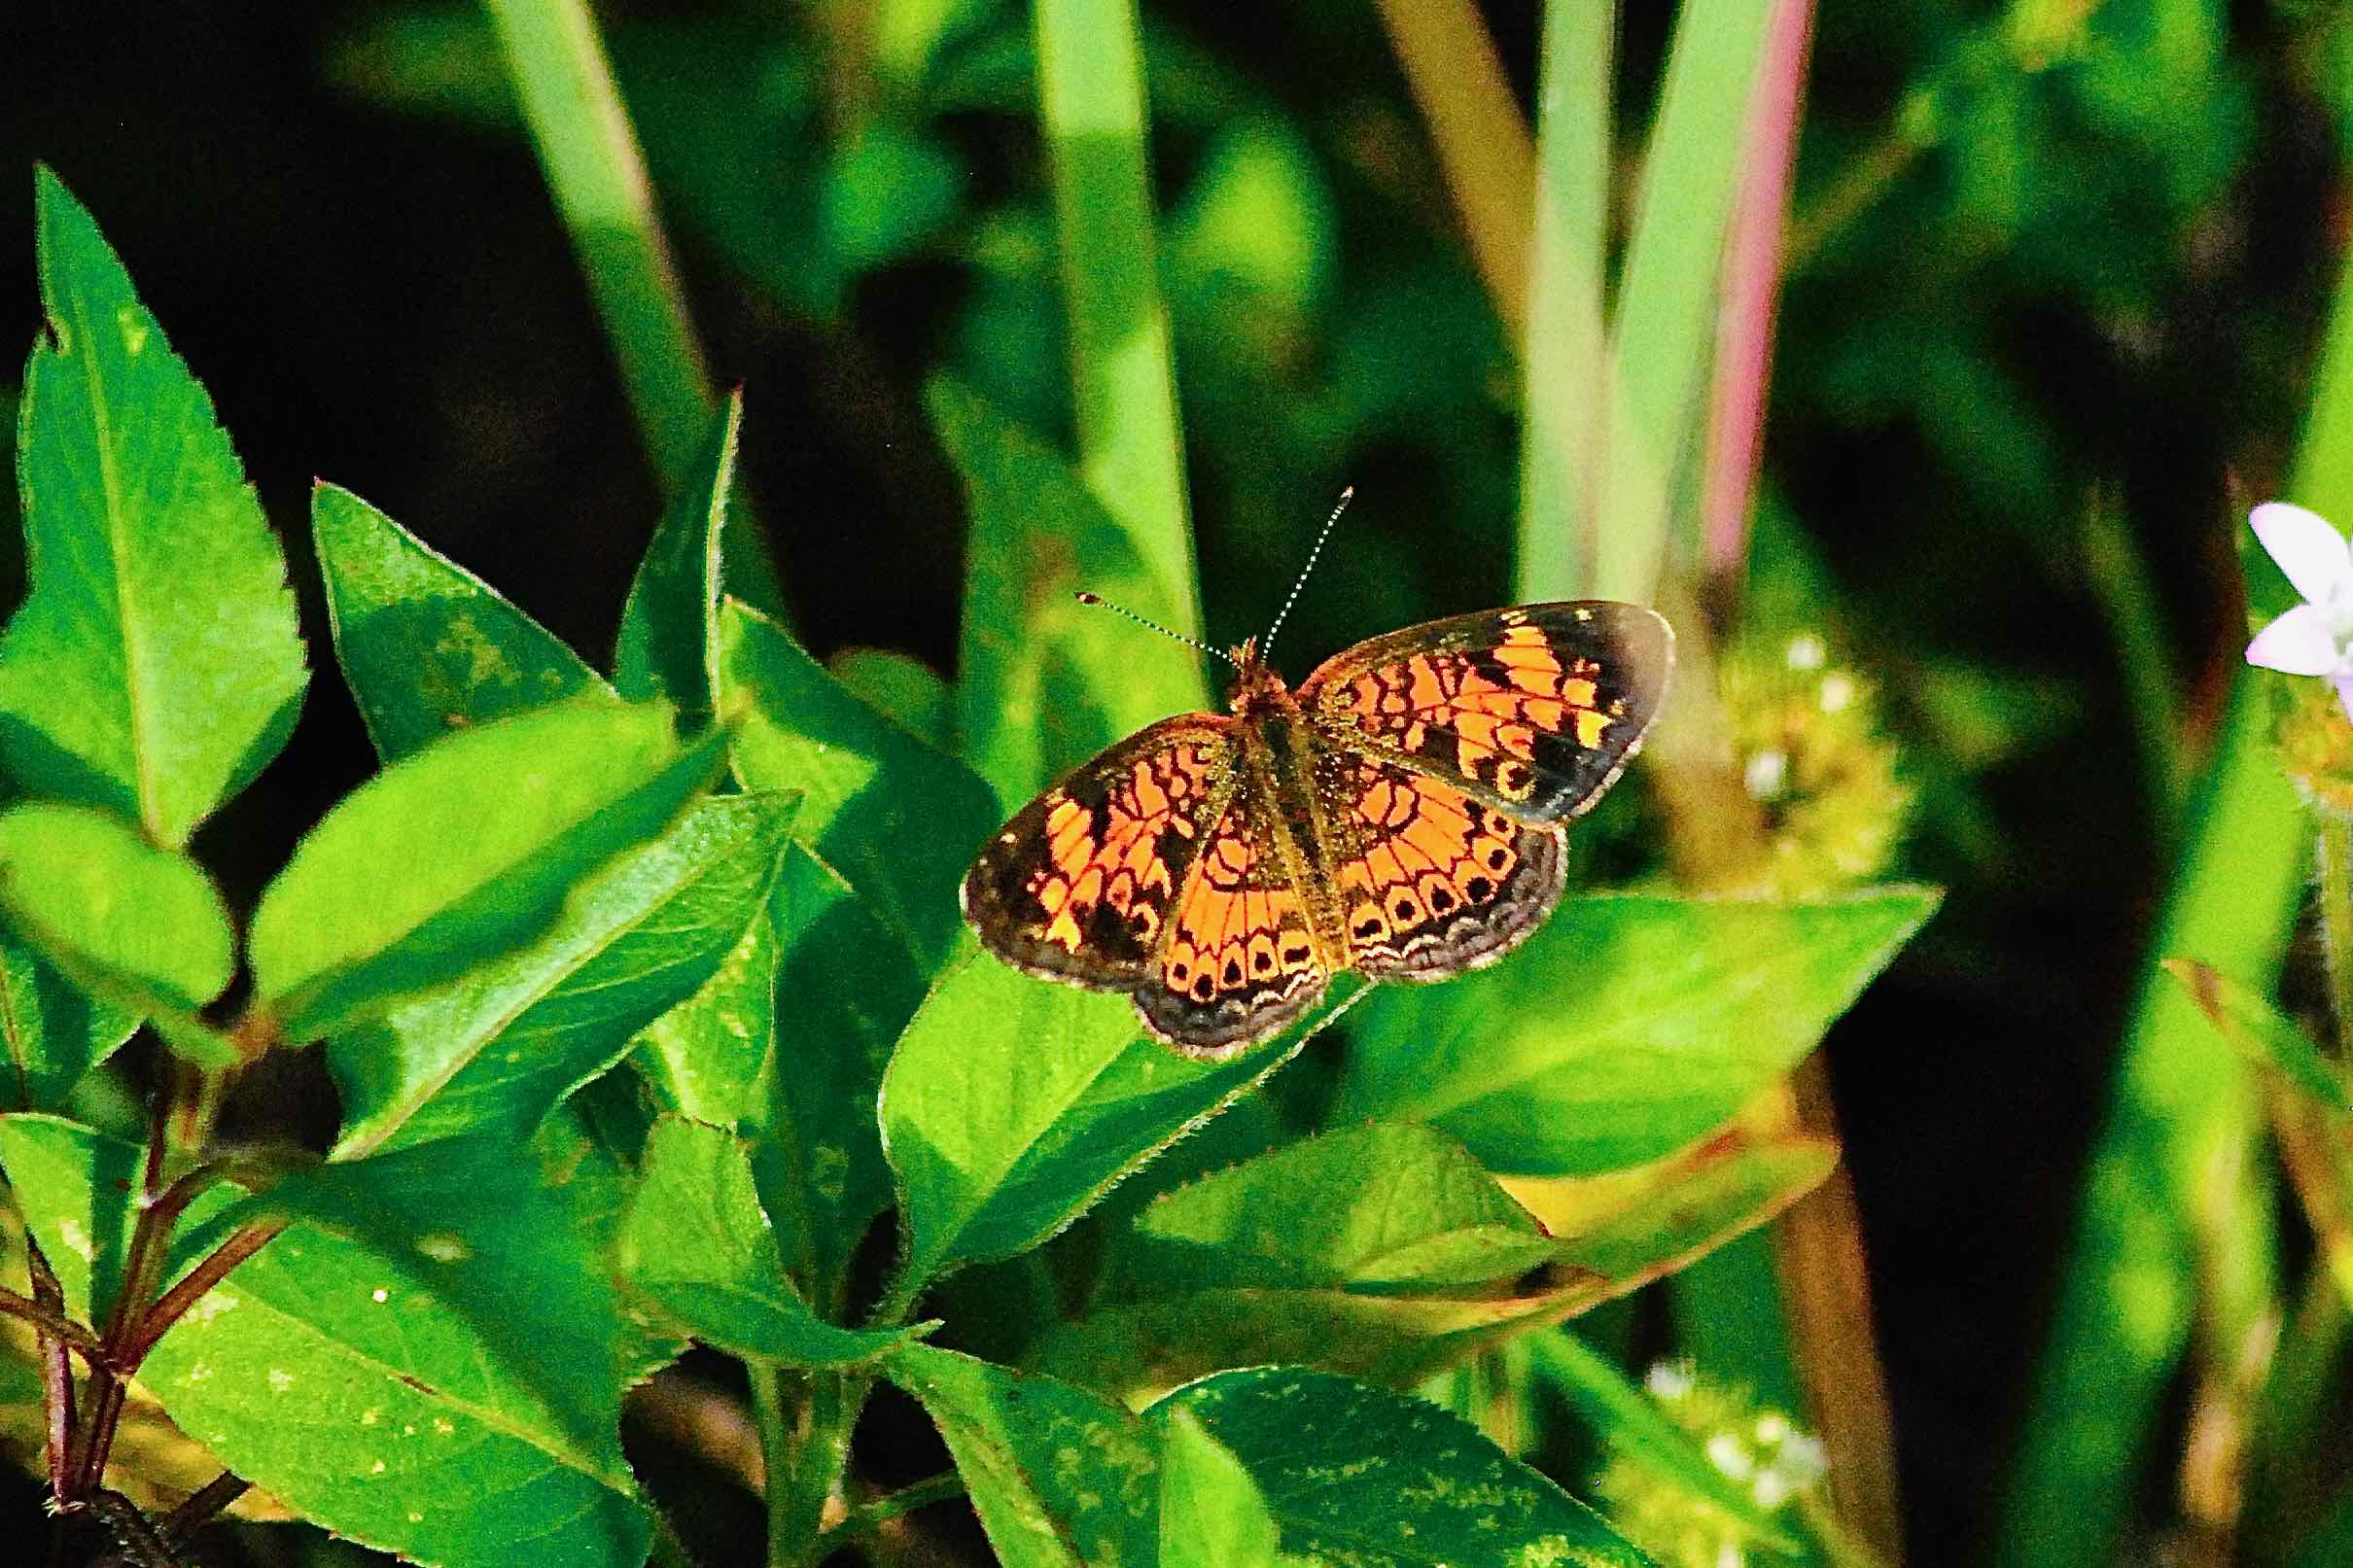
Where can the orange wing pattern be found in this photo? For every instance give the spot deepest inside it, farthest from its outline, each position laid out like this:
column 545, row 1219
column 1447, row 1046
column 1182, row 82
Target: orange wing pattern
column 1079, row 885
column 1535, row 710
column 1241, row 961
column 1434, row 882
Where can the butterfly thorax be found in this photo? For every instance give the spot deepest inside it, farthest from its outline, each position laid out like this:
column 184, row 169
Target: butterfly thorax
column 1257, row 691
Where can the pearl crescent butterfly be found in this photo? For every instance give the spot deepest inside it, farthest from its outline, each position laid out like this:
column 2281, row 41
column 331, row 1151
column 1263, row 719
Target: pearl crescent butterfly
column 1401, row 814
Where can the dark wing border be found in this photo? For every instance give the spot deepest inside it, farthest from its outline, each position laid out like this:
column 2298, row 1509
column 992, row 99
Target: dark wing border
column 995, row 885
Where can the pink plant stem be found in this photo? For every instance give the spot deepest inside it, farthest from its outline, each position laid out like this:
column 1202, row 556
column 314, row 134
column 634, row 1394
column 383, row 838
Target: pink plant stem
column 1752, row 276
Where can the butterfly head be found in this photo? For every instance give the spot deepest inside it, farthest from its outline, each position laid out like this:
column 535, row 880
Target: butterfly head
column 1256, row 690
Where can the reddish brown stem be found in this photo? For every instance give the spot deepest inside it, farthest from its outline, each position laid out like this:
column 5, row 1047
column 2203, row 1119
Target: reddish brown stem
column 106, row 1395
column 56, row 1366
column 173, row 1303
column 1752, row 278
column 53, row 1324
column 200, row 1507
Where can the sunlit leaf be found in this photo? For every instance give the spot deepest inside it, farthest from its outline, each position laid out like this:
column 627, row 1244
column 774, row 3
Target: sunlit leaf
column 699, row 1246
column 1212, row 1515
column 898, row 820
column 1629, row 1025
column 669, row 635
column 453, row 855
column 1012, row 1105
column 426, row 645
column 1059, row 1478
column 1362, row 1474
column 156, row 664
column 140, row 925
column 497, row 1047
column 1044, row 682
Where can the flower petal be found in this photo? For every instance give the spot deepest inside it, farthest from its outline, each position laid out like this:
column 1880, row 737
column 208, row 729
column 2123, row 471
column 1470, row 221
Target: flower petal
column 2311, row 552
column 2297, row 644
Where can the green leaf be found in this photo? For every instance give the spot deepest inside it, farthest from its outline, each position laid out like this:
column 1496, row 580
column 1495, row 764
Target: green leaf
column 78, row 1193
column 1012, row 1105
column 1626, row 1419
column 1044, row 681
column 800, row 1089
column 712, row 1057
column 500, row 1046
column 426, row 645
column 2266, row 1035
column 51, row 1031
column 1368, row 1207
column 453, row 855
column 1211, row 1514
column 669, row 638
column 1364, row 1476
column 1666, row 328
column 698, row 1245
column 897, row 818
column 429, row 1361
column 1626, row 1026
column 1123, row 382
column 1059, row 1478
column 139, row 924
column 846, row 987
column 156, row 664
column 901, row 688
column 1227, row 1272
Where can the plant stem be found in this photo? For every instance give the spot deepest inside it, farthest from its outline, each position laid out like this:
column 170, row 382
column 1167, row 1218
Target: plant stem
column 805, row 1420
column 1123, row 379
column 867, row 1517
column 173, row 1303
column 1563, row 384
column 1744, row 314
column 2334, row 846
column 52, row 1323
column 1825, row 1288
column 1484, row 151
column 597, row 176
column 57, row 1368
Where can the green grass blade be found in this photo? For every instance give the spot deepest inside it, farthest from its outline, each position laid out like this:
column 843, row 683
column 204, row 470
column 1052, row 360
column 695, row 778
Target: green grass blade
column 2130, row 1281
column 1567, row 338
column 1090, row 89
column 1667, row 308
column 2128, row 1294
column 597, row 175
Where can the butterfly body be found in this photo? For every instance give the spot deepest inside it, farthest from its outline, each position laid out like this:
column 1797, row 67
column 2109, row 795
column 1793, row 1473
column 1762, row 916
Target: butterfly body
column 1398, row 815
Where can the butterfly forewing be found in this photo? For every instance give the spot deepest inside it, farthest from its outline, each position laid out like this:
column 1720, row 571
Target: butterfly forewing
column 1535, row 710
column 1080, row 884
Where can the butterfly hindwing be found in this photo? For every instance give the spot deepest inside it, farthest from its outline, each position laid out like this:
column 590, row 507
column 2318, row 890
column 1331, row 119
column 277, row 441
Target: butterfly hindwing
column 1079, row 884
column 1431, row 881
column 1535, row 709
column 1239, row 962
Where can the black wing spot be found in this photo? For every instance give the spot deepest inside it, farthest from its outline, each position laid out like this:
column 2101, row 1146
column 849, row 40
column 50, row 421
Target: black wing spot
column 1478, row 888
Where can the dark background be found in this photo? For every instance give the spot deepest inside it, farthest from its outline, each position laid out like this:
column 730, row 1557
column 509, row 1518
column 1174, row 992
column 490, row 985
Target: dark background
column 2068, row 293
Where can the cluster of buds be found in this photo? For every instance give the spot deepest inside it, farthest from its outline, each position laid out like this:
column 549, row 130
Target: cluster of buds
column 1761, row 1450
column 1807, row 742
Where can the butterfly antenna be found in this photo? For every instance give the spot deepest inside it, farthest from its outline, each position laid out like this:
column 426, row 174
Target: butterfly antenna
column 1193, row 642
column 1346, row 496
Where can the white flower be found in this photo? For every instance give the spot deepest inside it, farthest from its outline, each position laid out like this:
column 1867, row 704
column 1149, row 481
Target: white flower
column 2317, row 636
